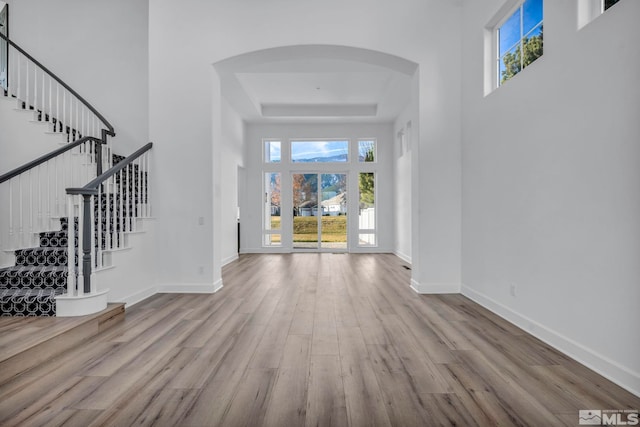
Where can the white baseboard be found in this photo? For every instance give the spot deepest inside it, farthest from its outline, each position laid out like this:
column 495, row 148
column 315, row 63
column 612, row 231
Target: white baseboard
column 229, row 260
column 435, row 288
column 191, row 288
column 270, row 250
column 406, row 258
column 609, row 369
column 186, row 288
column 142, row 295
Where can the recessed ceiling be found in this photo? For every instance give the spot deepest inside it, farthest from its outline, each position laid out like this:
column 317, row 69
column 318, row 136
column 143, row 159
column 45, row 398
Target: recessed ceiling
column 316, row 90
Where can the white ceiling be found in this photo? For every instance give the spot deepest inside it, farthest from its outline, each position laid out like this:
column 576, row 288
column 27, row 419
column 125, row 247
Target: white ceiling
column 316, row 90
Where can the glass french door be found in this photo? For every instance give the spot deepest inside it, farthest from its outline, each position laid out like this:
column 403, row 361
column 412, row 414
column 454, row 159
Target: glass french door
column 319, row 211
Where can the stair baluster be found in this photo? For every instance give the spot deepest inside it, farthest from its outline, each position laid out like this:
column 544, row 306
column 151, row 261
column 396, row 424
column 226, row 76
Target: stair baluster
column 93, row 218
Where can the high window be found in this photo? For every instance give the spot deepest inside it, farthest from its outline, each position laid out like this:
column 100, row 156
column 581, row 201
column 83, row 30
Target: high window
column 606, row 4
column 588, row 10
column 519, row 39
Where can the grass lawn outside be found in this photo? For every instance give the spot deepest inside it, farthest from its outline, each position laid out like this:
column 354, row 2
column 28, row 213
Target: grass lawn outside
column 305, row 228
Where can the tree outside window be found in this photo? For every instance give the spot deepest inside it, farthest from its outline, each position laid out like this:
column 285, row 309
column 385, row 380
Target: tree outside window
column 520, row 39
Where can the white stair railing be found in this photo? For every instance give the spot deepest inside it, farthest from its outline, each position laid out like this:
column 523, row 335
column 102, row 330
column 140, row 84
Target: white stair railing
column 36, row 88
column 32, row 197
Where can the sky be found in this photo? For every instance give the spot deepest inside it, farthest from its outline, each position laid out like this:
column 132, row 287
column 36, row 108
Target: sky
column 274, row 151
column 510, row 30
column 304, row 150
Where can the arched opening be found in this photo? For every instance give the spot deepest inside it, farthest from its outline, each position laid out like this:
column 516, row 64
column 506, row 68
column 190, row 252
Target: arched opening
column 313, row 93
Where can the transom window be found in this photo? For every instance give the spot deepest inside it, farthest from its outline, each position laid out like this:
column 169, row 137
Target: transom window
column 272, row 151
column 366, row 150
column 519, row 40
column 319, row 151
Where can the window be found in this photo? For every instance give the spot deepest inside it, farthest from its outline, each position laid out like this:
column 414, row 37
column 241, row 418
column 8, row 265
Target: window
column 366, row 150
column 272, row 209
column 606, row 4
column 367, row 211
column 272, row 152
column 319, row 151
column 318, row 194
column 588, row 10
column 519, row 40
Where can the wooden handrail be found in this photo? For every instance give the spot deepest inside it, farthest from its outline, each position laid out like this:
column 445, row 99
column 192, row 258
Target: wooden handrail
column 110, row 129
column 40, row 160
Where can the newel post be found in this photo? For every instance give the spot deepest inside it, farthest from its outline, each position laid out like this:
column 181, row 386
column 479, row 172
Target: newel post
column 86, row 241
column 85, row 234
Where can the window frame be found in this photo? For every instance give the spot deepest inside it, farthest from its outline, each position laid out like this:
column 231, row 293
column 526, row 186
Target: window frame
column 589, row 10
column 496, row 34
column 375, row 150
column 268, row 233
column 291, row 142
column 372, row 231
column 492, row 57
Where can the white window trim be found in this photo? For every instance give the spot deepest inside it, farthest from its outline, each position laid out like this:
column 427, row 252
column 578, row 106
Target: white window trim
column 264, row 150
column 350, row 155
column 374, row 230
column 375, row 150
column 265, row 231
column 588, row 10
column 491, row 43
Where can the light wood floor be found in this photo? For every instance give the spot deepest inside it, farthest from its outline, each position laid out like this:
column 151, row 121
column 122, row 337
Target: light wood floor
column 309, row 339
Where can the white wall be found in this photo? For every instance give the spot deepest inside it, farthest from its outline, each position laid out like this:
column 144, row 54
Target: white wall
column 252, row 220
column 21, row 138
column 402, row 202
column 551, row 186
column 199, row 34
column 133, row 275
column 100, row 49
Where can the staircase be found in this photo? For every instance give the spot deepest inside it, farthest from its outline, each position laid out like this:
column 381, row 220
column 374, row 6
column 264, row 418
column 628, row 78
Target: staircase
column 80, row 189
column 31, row 286
column 41, row 273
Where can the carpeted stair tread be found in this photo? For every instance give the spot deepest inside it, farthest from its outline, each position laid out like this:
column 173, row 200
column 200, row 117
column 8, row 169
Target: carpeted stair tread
column 42, row 256
column 28, row 302
column 34, row 269
column 34, row 277
column 53, row 239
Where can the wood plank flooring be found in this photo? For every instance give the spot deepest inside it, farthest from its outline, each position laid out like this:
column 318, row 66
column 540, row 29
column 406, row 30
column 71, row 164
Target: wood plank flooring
column 309, row 340
column 29, row 341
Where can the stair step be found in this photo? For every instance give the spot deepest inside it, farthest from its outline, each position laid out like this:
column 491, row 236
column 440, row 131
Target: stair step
column 43, row 256
column 28, row 302
column 53, row 239
column 34, row 277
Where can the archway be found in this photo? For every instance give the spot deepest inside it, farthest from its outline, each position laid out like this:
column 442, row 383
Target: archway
column 232, row 75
